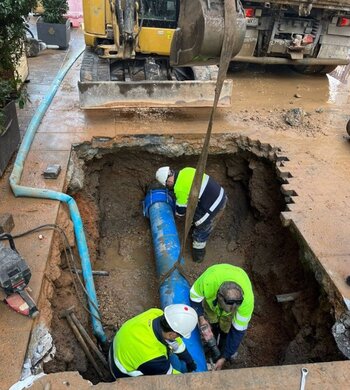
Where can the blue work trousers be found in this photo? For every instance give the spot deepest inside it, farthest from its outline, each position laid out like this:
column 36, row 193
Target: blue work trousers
column 202, row 232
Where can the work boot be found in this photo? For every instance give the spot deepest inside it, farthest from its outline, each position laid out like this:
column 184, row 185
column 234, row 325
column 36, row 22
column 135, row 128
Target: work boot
column 198, row 255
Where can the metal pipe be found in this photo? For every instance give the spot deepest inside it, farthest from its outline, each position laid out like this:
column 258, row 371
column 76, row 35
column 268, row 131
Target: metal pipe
column 287, row 297
column 129, row 17
column 88, row 339
column 79, row 337
column 159, row 208
column 43, row 193
column 97, row 273
column 288, row 61
column 119, row 16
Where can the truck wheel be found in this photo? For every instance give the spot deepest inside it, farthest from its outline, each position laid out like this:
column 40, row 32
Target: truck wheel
column 314, row 69
column 235, row 67
column 348, row 127
column 328, row 69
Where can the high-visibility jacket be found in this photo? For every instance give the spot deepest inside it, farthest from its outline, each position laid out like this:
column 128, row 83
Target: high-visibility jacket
column 135, row 343
column 211, row 194
column 207, row 286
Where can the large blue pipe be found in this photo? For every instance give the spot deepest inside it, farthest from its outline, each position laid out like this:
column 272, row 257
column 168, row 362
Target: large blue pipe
column 30, row 192
column 159, row 207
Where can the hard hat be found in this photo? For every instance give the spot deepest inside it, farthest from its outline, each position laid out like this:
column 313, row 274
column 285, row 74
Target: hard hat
column 182, row 319
column 162, row 175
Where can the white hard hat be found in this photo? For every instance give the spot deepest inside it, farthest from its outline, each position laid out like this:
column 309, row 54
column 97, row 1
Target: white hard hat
column 182, row 319
column 162, row 175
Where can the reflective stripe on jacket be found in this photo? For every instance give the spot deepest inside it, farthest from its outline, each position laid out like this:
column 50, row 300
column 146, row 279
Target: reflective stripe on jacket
column 135, row 343
column 208, row 284
column 210, row 194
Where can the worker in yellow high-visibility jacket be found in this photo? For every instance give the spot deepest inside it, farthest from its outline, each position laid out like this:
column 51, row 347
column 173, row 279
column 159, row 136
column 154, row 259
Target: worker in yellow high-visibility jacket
column 142, row 345
column 211, row 203
column 224, row 301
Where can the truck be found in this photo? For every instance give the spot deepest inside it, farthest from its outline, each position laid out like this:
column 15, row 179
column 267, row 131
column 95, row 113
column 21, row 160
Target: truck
column 312, row 36
column 164, row 53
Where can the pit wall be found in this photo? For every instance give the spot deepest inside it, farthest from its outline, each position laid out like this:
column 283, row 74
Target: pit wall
column 180, row 145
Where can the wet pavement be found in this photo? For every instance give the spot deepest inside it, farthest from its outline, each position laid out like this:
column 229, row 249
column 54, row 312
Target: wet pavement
column 315, row 165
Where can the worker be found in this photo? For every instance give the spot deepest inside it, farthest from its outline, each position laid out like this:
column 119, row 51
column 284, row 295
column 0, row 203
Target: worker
column 224, row 301
column 212, row 201
column 142, row 345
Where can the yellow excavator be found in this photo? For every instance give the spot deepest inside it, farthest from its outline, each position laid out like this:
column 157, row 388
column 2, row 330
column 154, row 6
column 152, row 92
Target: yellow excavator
column 154, row 53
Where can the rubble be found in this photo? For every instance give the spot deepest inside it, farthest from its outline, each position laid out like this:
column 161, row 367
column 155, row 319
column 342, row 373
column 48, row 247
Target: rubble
column 294, row 117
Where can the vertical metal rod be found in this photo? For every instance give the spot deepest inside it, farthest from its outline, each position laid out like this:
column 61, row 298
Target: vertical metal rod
column 83, row 345
column 89, row 340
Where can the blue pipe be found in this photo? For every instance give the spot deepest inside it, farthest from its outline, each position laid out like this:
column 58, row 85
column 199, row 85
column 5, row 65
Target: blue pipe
column 159, row 208
column 30, row 192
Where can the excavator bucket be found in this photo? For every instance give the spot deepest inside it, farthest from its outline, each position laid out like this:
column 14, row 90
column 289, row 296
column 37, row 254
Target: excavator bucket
column 179, row 94
column 200, row 32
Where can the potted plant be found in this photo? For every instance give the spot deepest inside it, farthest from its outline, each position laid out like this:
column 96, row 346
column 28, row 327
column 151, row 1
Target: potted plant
column 52, row 26
column 12, row 33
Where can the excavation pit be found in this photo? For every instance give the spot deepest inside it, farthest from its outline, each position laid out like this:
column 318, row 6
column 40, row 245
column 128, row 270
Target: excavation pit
column 109, row 180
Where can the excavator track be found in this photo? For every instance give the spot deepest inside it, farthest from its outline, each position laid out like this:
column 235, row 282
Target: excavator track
column 98, row 91
column 94, row 68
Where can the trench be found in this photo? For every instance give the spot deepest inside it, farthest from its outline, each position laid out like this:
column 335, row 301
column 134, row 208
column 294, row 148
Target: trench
column 250, row 235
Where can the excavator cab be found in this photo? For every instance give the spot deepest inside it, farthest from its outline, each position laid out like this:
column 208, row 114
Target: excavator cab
column 152, row 53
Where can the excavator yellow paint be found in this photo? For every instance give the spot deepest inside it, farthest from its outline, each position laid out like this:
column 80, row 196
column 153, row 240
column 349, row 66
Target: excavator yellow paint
column 155, row 40
column 94, row 18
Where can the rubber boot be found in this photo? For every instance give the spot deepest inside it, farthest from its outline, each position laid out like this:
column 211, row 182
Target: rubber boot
column 198, row 255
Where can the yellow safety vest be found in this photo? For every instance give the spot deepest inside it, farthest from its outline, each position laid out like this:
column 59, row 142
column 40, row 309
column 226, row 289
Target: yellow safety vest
column 135, row 343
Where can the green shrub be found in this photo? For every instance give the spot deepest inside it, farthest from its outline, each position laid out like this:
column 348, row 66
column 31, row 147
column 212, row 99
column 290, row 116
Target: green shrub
column 54, row 11
column 12, row 33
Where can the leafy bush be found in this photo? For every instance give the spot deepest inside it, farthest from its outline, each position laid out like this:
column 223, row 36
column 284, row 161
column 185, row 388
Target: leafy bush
column 12, row 32
column 54, row 11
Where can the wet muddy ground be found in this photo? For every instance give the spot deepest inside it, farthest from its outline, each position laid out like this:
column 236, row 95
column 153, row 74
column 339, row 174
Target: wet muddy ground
column 249, row 235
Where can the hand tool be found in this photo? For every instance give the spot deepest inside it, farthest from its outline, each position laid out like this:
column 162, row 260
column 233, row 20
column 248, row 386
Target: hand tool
column 14, row 278
column 210, row 341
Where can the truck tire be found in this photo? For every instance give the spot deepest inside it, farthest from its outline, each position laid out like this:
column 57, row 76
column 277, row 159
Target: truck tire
column 348, row 127
column 314, row 69
column 235, row 67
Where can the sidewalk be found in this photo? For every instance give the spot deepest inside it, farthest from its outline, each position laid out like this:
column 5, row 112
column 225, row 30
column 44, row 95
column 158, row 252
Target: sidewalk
column 27, row 212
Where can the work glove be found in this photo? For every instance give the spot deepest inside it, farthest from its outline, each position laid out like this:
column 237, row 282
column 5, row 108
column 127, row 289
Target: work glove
column 191, row 366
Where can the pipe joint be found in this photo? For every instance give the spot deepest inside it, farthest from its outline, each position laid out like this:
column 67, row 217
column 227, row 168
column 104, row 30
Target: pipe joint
column 158, row 195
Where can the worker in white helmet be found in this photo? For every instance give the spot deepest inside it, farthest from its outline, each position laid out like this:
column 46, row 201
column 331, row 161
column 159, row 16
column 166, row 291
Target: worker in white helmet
column 142, row 345
column 211, row 204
